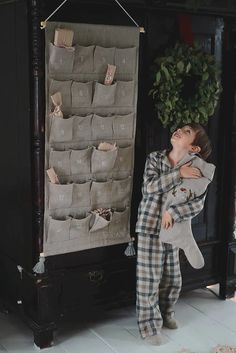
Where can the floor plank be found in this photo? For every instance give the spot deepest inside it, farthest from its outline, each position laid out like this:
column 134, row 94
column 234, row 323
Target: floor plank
column 204, row 322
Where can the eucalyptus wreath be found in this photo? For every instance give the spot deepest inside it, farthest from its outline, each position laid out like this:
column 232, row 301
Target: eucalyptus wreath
column 186, row 86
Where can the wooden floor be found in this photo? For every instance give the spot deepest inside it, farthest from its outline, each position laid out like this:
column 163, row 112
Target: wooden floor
column 205, row 321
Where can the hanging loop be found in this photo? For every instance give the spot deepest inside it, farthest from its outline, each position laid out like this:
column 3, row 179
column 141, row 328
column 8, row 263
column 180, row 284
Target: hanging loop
column 44, row 23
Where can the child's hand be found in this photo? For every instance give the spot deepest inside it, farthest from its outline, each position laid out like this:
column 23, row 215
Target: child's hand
column 167, row 220
column 189, row 172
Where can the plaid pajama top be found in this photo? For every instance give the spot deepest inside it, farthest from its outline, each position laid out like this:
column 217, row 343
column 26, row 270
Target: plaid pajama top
column 159, row 177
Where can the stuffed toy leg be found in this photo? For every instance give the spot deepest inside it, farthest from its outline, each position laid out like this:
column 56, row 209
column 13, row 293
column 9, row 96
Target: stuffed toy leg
column 180, row 235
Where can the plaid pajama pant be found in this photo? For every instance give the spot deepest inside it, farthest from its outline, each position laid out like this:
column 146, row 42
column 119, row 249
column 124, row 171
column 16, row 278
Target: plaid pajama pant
column 158, row 282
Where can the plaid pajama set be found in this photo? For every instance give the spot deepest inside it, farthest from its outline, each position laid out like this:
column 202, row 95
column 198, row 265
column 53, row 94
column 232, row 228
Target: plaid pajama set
column 158, row 270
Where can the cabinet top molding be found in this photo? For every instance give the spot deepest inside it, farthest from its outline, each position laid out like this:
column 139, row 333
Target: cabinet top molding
column 222, row 8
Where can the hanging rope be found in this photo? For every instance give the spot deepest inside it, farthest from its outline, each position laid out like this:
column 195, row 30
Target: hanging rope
column 142, row 30
column 44, row 23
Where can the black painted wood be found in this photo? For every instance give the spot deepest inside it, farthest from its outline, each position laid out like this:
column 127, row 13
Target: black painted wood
column 15, row 137
column 227, row 195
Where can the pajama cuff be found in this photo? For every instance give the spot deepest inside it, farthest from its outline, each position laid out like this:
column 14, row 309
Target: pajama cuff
column 173, row 213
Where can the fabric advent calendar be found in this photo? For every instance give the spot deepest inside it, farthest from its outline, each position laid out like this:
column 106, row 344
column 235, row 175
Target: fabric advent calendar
column 90, row 179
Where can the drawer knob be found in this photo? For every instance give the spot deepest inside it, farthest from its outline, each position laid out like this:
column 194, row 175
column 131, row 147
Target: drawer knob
column 96, row 276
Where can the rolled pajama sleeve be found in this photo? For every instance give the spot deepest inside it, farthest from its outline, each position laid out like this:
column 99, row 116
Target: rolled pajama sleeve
column 154, row 182
column 184, row 211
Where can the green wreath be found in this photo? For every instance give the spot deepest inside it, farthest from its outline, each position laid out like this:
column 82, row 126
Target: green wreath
column 186, row 87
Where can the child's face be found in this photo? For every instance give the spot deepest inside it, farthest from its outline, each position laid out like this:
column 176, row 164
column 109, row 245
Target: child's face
column 183, row 139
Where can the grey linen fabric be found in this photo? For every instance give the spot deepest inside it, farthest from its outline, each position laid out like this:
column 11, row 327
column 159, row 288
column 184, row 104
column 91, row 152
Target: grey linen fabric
column 180, row 235
column 92, row 113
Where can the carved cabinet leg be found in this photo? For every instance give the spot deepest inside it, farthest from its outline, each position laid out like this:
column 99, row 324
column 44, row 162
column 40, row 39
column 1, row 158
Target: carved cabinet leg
column 227, row 290
column 43, row 338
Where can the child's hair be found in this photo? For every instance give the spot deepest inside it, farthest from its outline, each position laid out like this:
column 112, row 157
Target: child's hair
column 201, row 140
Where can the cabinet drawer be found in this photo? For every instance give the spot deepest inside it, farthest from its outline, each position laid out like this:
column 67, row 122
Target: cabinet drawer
column 97, row 285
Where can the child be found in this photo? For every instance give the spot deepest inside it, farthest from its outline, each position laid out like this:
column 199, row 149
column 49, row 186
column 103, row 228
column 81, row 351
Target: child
column 158, row 270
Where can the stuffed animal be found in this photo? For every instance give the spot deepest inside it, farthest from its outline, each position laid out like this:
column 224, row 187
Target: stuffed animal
column 180, row 235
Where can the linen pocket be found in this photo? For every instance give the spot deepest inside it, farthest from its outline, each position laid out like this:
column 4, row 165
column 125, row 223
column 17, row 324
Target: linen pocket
column 103, row 161
column 82, row 128
column 61, row 60
column 101, row 193
column 121, row 192
column 125, row 93
column 81, row 195
column 83, row 62
column 102, row 127
column 99, row 232
column 60, row 196
column 99, row 223
column 104, row 95
column 124, row 159
column 60, row 161
column 102, row 57
column 58, row 230
column 119, row 225
column 79, row 228
column 64, row 87
column 80, row 161
column 81, row 94
column 61, row 130
column 125, row 60
column 123, row 126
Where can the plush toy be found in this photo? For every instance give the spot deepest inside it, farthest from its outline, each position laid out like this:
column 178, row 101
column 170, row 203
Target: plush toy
column 180, row 235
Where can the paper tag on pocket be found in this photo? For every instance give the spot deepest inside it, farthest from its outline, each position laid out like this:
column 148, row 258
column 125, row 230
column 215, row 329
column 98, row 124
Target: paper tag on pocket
column 63, row 37
column 106, row 146
column 56, row 98
column 53, row 176
column 57, row 102
column 111, row 69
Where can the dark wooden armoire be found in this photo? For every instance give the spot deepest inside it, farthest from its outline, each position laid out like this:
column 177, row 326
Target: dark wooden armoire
column 103, row 276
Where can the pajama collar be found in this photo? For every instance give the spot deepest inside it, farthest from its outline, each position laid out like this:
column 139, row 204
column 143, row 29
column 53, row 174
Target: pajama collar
column 187, row 158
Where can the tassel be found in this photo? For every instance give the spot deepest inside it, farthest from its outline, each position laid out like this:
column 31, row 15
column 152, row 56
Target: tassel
column 39, row 267
column 20, row 269
column 130, row 250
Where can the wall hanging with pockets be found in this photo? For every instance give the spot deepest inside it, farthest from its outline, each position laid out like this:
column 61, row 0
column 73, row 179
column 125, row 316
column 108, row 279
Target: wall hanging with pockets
column 91, row 95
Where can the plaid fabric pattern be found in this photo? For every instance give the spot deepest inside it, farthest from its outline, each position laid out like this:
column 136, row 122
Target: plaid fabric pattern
column 158, row 269
column 158, row 282
column 159, row 178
